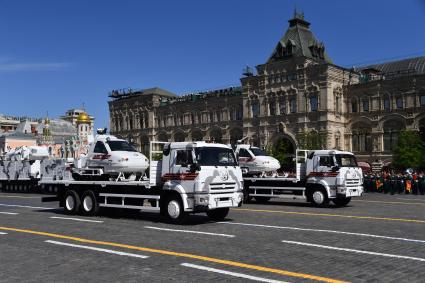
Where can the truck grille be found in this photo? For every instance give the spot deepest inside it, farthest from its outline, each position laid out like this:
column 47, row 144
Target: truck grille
column 352, row 182
column 222, row 186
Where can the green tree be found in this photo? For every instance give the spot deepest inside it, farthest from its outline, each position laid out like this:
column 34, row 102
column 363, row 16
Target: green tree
column 283, row 151
column 311, row 140
column 409, row 151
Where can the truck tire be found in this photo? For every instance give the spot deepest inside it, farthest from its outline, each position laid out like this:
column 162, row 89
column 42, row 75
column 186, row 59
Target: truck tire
column 340, row 202
column 71, row 202
column 218, row 214
column 262, row 199
column 89, row 203
column 173, row 211
column 319, row 197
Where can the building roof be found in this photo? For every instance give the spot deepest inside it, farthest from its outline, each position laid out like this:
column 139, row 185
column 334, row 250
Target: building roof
column 414, row 65
column 119, row 94
column 18, row 135
column 299, row 41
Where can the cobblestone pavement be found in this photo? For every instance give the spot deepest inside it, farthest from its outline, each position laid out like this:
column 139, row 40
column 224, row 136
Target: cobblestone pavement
column 377, row 238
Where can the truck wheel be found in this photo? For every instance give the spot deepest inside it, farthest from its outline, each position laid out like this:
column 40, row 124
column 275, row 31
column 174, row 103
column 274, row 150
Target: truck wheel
column 173, row 210
column 319, row 198
column 89, row 203
column 218, row 214
column 262, row 199
column 72, row 203
column 340, row 202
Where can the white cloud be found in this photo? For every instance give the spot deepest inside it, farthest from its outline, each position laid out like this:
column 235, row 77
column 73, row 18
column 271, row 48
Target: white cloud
column 7, row 65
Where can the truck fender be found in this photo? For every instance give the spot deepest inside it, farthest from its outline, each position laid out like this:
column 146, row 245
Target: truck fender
column 321, row 183
column 177, row 188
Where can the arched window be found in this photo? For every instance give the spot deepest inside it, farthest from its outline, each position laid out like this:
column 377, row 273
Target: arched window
column 255, row 108
column 354, row 105
column 197, row 135
column 399, row 102
column 272, row 107
column 293, row 104
column 337, row 104
column 282, row 105
column 179, row 137
column 387, row 103
column 392, row 129
column 313, row 103
column 337, row 140
column 361, row 137
column 365, row 104
column 239, row 113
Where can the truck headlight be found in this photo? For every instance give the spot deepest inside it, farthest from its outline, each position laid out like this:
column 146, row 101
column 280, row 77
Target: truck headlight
column 204, row 199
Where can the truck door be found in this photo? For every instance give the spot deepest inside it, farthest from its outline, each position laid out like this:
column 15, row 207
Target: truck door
column 183, row 159
column 326, row 162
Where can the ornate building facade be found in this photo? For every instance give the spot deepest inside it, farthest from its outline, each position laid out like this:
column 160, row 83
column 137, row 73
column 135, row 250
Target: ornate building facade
column 298, row 96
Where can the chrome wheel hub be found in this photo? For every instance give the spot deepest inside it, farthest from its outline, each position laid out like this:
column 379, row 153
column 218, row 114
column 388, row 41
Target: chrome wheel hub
column 173, row 209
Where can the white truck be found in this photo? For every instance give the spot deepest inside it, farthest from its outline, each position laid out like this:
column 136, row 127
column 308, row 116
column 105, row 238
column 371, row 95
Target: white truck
column 191, row 177
column 320, row 176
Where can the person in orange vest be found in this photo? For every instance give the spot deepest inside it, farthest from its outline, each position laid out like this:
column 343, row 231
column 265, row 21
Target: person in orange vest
column 408, row 182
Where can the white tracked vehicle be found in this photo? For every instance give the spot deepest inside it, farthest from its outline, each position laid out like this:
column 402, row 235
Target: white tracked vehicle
column 320, row 176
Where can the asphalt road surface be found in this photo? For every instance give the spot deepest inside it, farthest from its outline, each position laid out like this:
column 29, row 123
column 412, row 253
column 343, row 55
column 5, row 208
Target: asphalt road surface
column 377, row 238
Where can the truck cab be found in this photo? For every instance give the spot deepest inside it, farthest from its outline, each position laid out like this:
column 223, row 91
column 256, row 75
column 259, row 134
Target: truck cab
column 205, row 175
column 332, row 175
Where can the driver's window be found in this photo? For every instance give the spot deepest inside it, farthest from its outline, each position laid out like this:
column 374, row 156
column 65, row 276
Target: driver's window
column 326, row 161
column 184, row 157
column 100, row 148
column 244, row 153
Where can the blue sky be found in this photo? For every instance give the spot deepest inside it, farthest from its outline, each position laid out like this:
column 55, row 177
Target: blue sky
column 56, row 55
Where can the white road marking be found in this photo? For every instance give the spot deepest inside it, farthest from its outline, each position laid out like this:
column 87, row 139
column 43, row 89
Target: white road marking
column 26, row 206
column 76, row 219
column 354, row 251
column 95, row 249
column 327, row 231
column 190, row 231
column 235, row 274
column 3, row 233
column 9, row 213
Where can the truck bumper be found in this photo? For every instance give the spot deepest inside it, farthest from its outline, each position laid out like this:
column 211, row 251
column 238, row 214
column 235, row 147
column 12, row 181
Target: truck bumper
column 205, row 202
column 345, row 192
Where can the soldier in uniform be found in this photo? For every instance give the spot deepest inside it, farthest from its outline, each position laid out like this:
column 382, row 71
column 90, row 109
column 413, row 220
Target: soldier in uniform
column 400, row 183
column 387, row 183
column 366, row 182
column 421, row 180
column 415, row 185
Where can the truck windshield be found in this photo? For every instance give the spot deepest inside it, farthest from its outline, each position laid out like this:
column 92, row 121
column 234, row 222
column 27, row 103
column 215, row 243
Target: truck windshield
column 257, row 152
column 120, row 146
column 346, row 160
column 215, row 156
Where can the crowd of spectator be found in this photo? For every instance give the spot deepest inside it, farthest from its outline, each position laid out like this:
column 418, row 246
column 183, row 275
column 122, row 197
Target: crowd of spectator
column 392, row 182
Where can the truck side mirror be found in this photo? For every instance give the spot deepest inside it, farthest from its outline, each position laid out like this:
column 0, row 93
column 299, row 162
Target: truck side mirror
column 335, row 168
column 194, row 167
